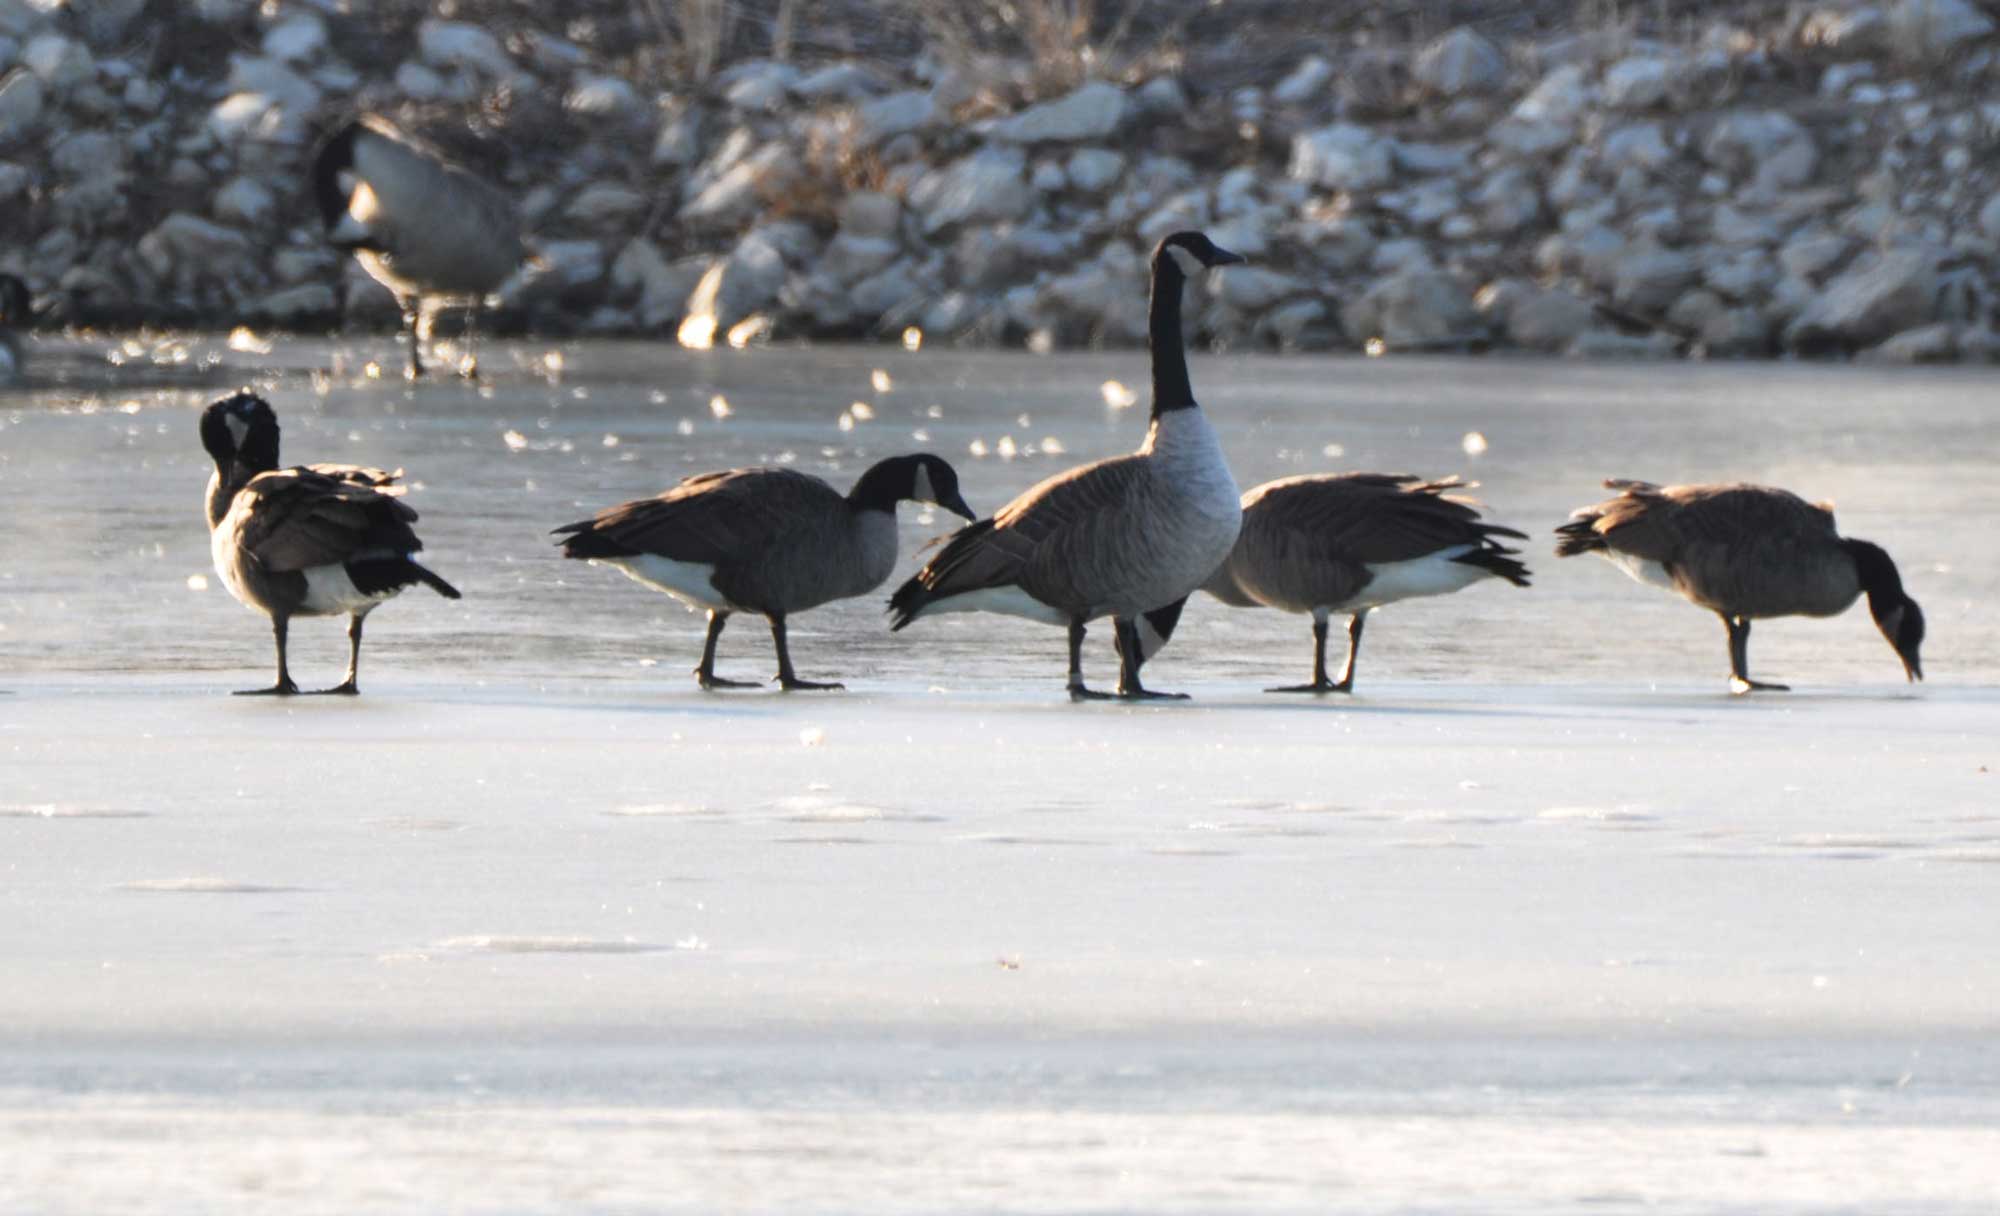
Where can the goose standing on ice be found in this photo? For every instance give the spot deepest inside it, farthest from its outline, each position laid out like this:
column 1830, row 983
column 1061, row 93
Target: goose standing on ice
column 16, row 308
column 1129, row 537
column 1354, row 542
column 770, row 541
column 426, row 229
column 1746, row 552
column 314, row 540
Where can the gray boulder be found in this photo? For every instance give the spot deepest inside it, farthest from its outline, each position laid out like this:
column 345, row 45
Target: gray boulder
column 1092, row 112
column 1767, row 147
column 1304, row 82
column 1871, row 302
column 1649, row 280
column 21, row 96
column 1092, row 171
column 1932, row 29
column 1459, row 63
column 988, row 186
column 1415, row 310
column 1342, row 157
column 1933, row 343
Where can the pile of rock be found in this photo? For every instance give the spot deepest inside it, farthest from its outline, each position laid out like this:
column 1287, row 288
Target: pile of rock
column 1823, row 185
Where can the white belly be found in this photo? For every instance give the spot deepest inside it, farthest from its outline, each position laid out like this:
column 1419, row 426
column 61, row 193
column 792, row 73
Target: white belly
column 1651, row 573
column 1432, row 574
column 689, row 582
column 329, row 592
column 1011, row 601
column 222, row 551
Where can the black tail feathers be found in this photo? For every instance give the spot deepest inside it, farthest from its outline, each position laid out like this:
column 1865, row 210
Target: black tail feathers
column 584, row 542
column 1579, row 535
column 1499, row 560
column 376, row 575
column 907, row 603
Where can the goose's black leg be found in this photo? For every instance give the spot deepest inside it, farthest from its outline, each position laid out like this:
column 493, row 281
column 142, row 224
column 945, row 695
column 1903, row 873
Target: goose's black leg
column 468, row 363
column 1739, row 660
column 284, row 687
column 1320, row 684
column 1077, row 691
column 704, row 675
column 787, row 678
column 413, row 324
column 351, row 686
column 1131, row 655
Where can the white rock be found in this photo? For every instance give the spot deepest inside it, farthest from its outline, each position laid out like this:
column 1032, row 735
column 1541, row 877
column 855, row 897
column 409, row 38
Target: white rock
column 1250, row 288
column 1094, row 170
column 740, row 192
column 419, row 83
column 1989, row 217
column 1304, row 82
column 1810, row 255
column 759, row 85
column 606, row 203
column 80, row 154
column 895, row 114
column 301, row 302
column 1642, row 145
column 851, row 258
column 603, row 97
column 1733, row 226
column 1425, row 160
column 62, row 63
column 1459, row 63
column 1048, row 177
column 296, row 39
column 460, row 44
column 1768, row 147
column 1342, row 157
column 183, row 241
column 1547, row 320
column 952, row 314
column 844, row 81
column 1929, row 29
column 1509, row 201
column 1293, row 325
column 1162, row 95
column 1416, row 309
column 1524, row 139
column 21, row 97
column 1648, row 280
column 570, row 264
column 245, row 201
column 1745, row 276
column 1560, row 97
column 871, row 213
column 679, row 141
column 558, row 56
column 286, row 89
column 1933, row 343
column 1640, row 82
column 989, row 185
column 1092, row 112
column 1881, row 297
column 887, row 292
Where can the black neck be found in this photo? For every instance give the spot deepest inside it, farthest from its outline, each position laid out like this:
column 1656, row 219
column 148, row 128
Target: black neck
column 1171, row 390
column 1877, row 574
column 884, row 485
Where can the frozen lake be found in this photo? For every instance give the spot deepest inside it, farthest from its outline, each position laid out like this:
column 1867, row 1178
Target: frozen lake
column 1539, row 920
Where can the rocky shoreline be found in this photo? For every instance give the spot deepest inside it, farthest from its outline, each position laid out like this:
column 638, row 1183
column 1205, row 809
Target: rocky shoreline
column 1821, row 183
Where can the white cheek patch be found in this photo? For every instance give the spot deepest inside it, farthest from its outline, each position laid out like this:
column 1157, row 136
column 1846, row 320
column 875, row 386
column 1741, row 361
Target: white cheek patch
column 1151, row 640
column 922, row 491
column 238, row 429
column 1190, row 265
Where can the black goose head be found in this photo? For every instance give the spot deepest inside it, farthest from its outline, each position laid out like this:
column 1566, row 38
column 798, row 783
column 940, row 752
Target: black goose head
column 917, row 478
column 334, row 158
column 1895, row 613
column 16, row 304
column 241, row 430
column 1189, row 253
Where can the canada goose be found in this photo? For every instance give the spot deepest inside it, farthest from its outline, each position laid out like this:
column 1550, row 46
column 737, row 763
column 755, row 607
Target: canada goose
column 426, row 229
column 1352, row 542
column 1745, row 552
column 16, row 308
column 314, row 540
column 1130, row 537
column 772, row 541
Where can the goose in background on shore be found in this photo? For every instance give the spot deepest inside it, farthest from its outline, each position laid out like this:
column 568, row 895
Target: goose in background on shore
column 425, row 228
column 312, row 540
column 17, row 307
column 770, row 541
column 1129, row 537
column 1746, row 552
column 1354, row 542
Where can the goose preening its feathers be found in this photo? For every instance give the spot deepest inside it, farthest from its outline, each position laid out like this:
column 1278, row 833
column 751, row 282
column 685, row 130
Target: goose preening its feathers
column 314, row 540
column 426, row 229
column 1745, row 552
column 771, row 541
column 1354, row 542
column 1130, row 537
column 16, row 308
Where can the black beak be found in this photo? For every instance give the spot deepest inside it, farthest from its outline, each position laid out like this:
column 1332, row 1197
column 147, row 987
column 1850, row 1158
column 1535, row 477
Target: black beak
column 1222, row 257
column 957, row 507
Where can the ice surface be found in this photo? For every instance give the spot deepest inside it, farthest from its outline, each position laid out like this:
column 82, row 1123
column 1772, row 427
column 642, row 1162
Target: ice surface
column 1540, row 919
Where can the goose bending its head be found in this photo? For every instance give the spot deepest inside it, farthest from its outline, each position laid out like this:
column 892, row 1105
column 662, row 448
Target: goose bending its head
column 427, row 229
column 1354, row 542
column 1745, row 552
column 1130, row 537
column 313, row 540
column 770, row 541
